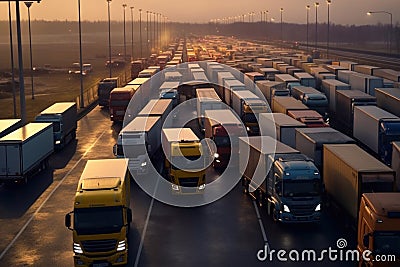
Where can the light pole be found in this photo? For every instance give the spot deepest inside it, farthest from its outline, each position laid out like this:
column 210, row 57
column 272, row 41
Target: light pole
column 12, row 60
column 308, row 15
column 147, row 32
column 391, row 25
column 316, row 4
column 328, row 2
column 109, row 38
column 28, row 5
column 81, row 100
column 281, row 10
column 124, row 8
column 132, row 22
column 154, row 31
column 140, row 33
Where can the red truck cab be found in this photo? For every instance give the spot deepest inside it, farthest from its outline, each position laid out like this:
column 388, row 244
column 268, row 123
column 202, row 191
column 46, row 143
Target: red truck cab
column 224, row 128
column 119, row 101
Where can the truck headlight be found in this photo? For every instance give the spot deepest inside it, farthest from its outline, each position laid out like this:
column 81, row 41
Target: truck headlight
column 202, row 186
column 216, row 155
column 58, row 142
column 318, row 208
column 248, row 129
column 286, row 208
column 77, row 248
column 143, row 164
column 121, row 245
column 175, row 187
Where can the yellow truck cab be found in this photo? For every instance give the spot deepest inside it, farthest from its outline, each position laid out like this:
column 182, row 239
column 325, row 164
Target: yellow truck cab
column 379, row 229
column 182, row 144
column 101, row 217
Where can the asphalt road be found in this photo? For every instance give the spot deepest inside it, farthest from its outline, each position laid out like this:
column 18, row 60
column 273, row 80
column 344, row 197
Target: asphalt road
column 228, row 232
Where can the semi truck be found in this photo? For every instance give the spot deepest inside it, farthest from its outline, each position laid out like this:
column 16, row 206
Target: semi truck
column 271, row 88
column 157, row 108
column 255, row 76
column 379, row 228
column 329, row 88
column 222, row 76
column 291, row 186
column 169, row 90
column 223, row 128
column 312, row 98
column 25, row 151
column 136, row 67
column 101, row 217
column 365, row 83
column 104, row 88
column 396, row 162
column 63, row 116
column 346, row 100
column 349, row 172
column 231, row 86
column 183, row 148
column 207, row 99
column 310, row 141
column 306, row 79
column 376, row 129
column 288, row 79
column 119, row 101
column 139, row 141
column 388, row 99
column 282, row 104
column 310, row 118
column 9, row 125
column 280, row 126
column 247, row 105
column 387, row 74
column 269, row 73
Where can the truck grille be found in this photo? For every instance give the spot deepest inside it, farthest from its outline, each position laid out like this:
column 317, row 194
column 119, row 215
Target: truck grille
column 298, row 210
column 189, row 181
column 104, row 245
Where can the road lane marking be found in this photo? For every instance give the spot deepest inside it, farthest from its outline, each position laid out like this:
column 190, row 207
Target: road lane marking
column 145, row 227
column 47, row 198
column 260, row 222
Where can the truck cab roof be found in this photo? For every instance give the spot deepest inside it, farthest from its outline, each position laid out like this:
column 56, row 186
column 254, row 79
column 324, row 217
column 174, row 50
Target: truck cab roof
column 384, row 204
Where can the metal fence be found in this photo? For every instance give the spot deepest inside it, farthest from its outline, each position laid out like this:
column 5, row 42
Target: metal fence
column 90, row 94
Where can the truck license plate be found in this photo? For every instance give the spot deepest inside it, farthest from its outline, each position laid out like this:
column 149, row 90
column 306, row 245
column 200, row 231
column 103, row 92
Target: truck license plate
column 101, row 264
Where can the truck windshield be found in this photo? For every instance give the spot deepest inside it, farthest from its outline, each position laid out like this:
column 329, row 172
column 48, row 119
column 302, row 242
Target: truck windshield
column 102, row 220
column 249, row 117
column 387, row 243
column 119, row 103
column 222, row 141
column 301, row 188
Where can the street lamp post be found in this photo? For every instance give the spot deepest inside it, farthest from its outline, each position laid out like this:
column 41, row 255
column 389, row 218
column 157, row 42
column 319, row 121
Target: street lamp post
column 28, row 5
column 81, row 100
column 328, row 2
column 132, row 22
column 124, row 8
column 12, row 60
column 316, row 4
column 154, row 31
column 308, row 15
column 109, row 38
column 281, row 10
column 391, row 25
column 147, row 32
column 140, row 33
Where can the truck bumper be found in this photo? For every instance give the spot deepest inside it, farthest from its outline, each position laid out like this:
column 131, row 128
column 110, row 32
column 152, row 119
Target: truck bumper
column 287, row 217
column 119, row 258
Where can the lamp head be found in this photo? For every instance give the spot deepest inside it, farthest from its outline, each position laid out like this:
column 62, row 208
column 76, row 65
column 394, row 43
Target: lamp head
column 329, row 2
column 316, row 4
column 28, row 4
column 369, row 13
column 308, row 7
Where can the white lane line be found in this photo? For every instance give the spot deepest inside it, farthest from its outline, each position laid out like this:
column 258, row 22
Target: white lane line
column 139, row 252
column 47, row 198
column 260, row 222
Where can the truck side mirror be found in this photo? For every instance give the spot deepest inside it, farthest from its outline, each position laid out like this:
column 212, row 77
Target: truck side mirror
column 366, row 240
column 68, row 221
column 115, row 150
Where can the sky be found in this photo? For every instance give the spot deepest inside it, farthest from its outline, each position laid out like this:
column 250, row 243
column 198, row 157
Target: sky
column 199, row 11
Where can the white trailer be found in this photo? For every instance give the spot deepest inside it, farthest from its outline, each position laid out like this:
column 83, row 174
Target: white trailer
column 207, row 99
column 25, row 151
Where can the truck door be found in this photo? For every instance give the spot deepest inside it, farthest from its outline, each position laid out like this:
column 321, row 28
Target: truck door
column 13, row 160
